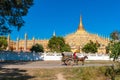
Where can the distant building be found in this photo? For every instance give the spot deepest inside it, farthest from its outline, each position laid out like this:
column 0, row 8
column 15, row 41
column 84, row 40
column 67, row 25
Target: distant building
column 25, row 45
column 76, row 41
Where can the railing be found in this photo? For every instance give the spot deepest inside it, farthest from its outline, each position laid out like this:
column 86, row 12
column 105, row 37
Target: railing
column 57, row 56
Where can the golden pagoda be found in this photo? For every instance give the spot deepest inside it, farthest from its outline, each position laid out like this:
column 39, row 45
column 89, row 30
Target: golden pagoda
column 81, row 37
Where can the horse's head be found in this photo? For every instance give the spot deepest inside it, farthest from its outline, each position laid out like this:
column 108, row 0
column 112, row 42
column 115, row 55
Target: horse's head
column 85, row 57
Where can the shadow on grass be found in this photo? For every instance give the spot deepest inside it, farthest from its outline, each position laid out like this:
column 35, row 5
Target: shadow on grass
column 14, row 74
column 5, row 63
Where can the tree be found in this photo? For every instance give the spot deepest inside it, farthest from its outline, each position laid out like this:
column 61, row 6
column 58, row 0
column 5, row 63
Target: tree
column 37, row 48
column 11, row 13
column 3, row 43
column 58, row 44
column 66, row 48
column 108, row 47
column 115, row 35
column 115, row 50
column 114, row 45
column 91, row 47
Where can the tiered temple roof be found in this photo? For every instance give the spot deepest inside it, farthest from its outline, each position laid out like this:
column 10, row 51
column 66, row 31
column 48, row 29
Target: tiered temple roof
column 81, row 37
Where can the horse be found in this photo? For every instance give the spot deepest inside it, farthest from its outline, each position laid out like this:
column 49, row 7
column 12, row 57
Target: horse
column 81, row 59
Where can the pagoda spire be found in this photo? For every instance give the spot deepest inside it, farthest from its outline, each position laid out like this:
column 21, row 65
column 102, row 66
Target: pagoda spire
column 81, row 28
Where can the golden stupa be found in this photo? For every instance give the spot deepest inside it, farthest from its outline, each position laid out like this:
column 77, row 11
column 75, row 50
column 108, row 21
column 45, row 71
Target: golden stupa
column 81, row 37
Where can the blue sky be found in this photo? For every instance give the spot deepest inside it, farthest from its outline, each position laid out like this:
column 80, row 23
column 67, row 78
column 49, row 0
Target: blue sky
column 62, row 16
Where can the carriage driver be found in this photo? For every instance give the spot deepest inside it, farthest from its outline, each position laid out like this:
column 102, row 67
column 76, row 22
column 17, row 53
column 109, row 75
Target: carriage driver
column 74, row 55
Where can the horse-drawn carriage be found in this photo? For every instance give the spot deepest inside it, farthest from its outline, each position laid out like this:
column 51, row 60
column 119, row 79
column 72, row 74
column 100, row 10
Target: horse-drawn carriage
column 70, row 59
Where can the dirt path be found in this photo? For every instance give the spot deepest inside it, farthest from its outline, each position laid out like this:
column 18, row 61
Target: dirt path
column 45, row 64
column 60, row 77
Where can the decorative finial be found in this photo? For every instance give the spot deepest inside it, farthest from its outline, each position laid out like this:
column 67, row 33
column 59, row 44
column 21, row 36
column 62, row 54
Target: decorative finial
column 33, row 38
column 25, row 34
column 17, row 38
column 54, row 34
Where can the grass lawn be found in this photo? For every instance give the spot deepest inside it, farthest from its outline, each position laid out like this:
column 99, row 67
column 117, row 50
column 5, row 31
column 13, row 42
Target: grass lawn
column 69, row 73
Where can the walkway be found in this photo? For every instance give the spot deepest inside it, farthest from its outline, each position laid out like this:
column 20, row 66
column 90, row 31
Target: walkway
column 44, row 64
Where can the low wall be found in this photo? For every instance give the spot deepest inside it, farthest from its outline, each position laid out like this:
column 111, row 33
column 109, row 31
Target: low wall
column 27, row 56
column 57, row 56
column 23, row 56
column 52, row 56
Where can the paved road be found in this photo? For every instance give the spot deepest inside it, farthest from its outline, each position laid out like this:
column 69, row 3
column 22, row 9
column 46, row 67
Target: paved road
column 43, row 64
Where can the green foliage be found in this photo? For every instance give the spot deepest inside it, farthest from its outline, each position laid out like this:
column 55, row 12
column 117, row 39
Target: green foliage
column 115, row 50
column 66, row 48
column 115, row 35
column 90, row 47
column 108, row 48
column 114, row 45
column 3, row 43
column 110, row 71
column 11, row 13
column 113, row 71
column 37, row 48
column 58, row 44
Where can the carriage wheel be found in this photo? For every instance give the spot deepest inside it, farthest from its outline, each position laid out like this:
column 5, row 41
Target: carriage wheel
column 76, row 61
column 70, row 62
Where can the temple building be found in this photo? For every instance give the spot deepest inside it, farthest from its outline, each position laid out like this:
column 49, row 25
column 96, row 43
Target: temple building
column 25, row 44
column 81, row 37
column 76, row 41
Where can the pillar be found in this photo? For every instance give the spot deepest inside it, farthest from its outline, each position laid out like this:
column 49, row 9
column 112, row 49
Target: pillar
column 33, row 41
column 25, row 43
column 17, row 44
column 8, row 41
